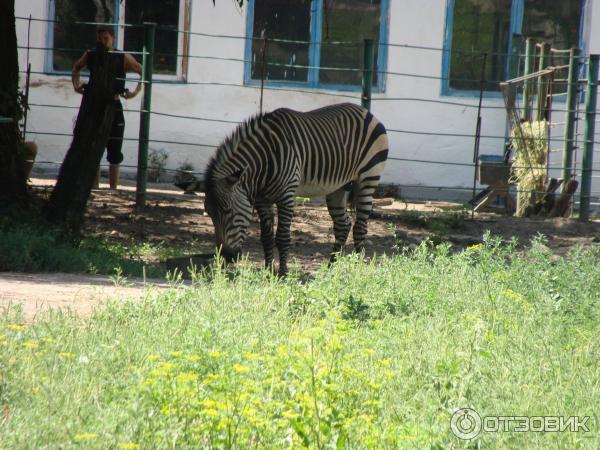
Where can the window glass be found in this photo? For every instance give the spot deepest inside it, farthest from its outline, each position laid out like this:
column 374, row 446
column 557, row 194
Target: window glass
column 70, row 39
column 350, row 21
column 554, row 22
column 479, row 26
column 286, row 20
column 483, row 26
column 166, row 14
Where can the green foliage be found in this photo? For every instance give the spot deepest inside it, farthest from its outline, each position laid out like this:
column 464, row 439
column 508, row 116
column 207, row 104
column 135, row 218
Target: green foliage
column 29, row 245
column 439, row 223
column 375, row 355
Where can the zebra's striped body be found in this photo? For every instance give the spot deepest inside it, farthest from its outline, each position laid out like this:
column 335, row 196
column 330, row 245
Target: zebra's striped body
column 272, row 158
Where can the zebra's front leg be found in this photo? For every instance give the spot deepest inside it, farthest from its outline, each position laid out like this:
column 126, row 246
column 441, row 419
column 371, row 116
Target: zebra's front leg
column 285, row 212
column 267, row 237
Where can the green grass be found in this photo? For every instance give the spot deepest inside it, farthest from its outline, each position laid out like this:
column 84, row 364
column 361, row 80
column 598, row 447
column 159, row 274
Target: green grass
column 365, row 355
column 29, row 245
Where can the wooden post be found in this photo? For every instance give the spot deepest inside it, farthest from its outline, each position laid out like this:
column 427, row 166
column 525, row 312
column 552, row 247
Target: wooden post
column 572, row 89
column 588, row 145
column 76, row 176
column 144, row 136
column 367, row 79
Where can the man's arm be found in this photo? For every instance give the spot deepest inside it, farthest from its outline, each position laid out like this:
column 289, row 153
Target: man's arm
column 131, row 65
column 79, row 65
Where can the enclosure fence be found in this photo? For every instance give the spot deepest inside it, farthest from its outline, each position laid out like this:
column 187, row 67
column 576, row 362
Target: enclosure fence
column 575, row 78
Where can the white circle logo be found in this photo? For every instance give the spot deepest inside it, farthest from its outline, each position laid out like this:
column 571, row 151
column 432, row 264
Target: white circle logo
column 466, row 423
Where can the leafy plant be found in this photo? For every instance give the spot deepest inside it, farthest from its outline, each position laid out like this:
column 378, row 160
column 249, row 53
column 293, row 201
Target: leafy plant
column 157, row 163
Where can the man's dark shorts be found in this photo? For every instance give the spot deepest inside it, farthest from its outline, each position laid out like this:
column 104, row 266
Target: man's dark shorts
column 115, row 143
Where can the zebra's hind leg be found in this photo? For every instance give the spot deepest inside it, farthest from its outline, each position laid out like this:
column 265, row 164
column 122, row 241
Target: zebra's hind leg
column 267, row 237
column 336, row 204
column 285, row 212
column 363, row 203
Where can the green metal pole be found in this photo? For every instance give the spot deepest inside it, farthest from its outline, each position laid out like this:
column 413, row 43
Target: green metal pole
column 572, row 88
column 588, row 145
column 528, row 84
column 367, row 79
column 542, row 89
column 515, row 56
column 148, row 65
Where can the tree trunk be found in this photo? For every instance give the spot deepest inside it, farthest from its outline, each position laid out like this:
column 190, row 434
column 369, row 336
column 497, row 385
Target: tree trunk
column 69, row 198
column 13, row 183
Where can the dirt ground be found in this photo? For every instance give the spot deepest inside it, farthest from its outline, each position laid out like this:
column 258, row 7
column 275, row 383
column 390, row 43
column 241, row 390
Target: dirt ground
column 177, row 220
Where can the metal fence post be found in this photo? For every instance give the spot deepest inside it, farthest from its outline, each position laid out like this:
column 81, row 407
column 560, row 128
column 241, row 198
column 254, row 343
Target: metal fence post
column 528, row 83
column 588, row 145
column 572, row 90
column 515, row 56
column 542, row 88
column 148, row 66
column 367, row 78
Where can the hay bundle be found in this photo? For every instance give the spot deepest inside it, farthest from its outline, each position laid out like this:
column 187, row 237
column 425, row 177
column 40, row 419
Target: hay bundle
column 530, row 141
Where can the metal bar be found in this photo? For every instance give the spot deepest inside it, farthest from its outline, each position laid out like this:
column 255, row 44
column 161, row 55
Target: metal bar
column 263, row 73
column 478, row 131
column 515, row 55
column 567, row 161
column 367, row 79
column 528, row 84
column 148, row 67
column 588, row 145
column 542, row 87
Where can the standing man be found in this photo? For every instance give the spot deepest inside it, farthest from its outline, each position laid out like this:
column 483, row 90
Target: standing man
column 124, row 63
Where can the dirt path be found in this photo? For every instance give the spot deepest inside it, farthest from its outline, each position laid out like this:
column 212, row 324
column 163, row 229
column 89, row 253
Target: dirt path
column 38, row 292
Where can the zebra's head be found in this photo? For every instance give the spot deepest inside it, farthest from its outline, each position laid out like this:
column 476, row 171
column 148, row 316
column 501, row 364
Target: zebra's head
column 227, row 204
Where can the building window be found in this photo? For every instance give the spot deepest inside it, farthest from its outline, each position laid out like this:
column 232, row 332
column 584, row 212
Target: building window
column 315, row 43
column 70, row 36
column 74, row 30
column 475, row 27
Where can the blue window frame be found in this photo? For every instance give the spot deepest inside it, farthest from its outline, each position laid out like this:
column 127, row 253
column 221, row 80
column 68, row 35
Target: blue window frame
column 307, row 41
column 489, row 26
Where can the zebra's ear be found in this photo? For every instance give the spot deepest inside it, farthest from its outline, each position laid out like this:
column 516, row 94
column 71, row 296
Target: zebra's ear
column 234, row 178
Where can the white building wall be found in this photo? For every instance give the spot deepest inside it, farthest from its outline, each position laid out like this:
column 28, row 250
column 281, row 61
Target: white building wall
column 410, row 23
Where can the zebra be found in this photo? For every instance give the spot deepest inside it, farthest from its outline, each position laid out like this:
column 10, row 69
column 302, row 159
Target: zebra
column 274, row 157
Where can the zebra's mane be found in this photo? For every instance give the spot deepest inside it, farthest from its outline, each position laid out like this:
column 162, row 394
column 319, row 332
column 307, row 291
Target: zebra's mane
column 230, row 145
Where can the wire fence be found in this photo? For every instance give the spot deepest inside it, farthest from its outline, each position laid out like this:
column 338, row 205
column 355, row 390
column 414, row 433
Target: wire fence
column 449, row 105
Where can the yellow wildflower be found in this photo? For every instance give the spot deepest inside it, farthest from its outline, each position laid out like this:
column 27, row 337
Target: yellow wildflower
column 386, row 362
column 216, row 354
column 85, row 437
column 211, row 412
column 15, row 327
column 31, row 345
column 240, row 368
column 128, row 446
column 186, row 377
